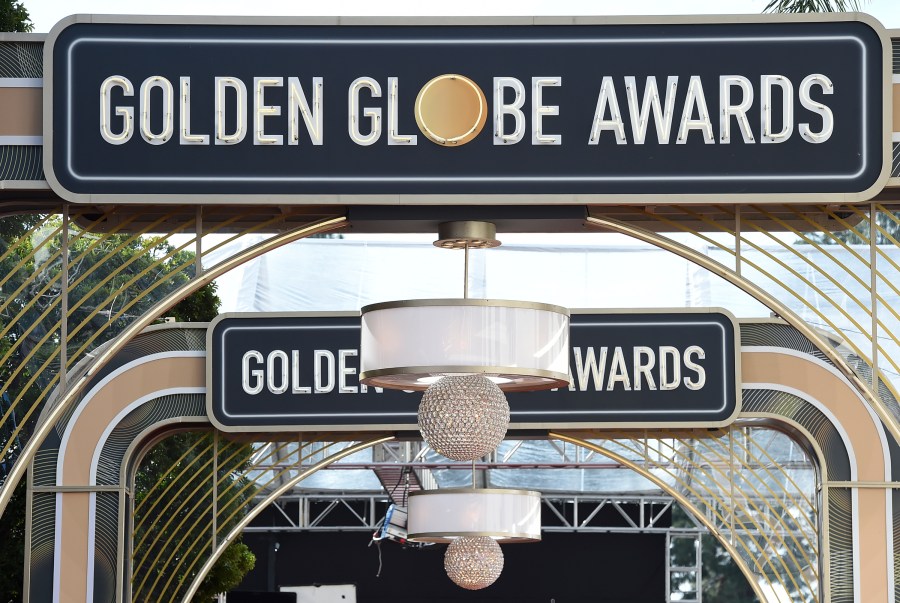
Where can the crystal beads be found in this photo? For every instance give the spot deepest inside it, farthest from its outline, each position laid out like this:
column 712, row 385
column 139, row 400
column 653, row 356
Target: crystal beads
column 473, row 562
column 463, row 417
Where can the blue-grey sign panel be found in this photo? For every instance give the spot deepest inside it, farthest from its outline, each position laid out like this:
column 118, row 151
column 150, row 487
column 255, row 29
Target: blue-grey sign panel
column 231, row 112
column 301, row 372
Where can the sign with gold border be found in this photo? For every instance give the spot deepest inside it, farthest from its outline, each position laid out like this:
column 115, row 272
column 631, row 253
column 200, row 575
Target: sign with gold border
column 470, row 111
column 300, row 372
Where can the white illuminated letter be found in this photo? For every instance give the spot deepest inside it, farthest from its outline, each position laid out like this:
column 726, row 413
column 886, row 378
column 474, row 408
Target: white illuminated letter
column 344, row 370
column 669, row 354
column 816, row 79
column 185, row 136
column 693, row 366
column 240, row 128
column 589, row 368
column 739, row 112
column 640, row 118
column 787, row 108
column 394, row 137
column 695, row 97
column 256, row 385
column 515, row 109
column 261, row 110
column 539, row 110
column 373, row 113
column 274, row 374
column 168, row 120
column 296, row 388
column 618, row 372
column 323, row 386
column 126, row 113
column 298, row 107
column 642, row 369
column 608, row 98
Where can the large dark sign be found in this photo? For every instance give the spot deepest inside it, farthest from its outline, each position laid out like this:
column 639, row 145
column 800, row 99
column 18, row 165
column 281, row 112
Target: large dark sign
column 301, row 372
column 769, row 109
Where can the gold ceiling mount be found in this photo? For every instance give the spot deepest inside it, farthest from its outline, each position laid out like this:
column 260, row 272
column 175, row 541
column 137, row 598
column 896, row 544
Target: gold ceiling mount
column 470, row 234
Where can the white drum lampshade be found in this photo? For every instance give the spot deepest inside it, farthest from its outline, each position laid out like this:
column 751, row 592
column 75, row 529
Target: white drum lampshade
column 409, row 345
column 446, row 514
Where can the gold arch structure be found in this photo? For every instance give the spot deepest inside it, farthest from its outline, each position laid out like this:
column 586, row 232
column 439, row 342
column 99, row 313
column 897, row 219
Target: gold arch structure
column 81, row 477
column 764, row 218
column 61, row 250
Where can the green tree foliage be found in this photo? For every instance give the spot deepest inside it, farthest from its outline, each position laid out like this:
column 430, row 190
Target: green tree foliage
column 228, row 572
column 811, row 6
column 14, row 17
column 108, row 287
column 181, row 464
column 12, row 561
column 108, row 278
column 887, row 232
column 722, row 580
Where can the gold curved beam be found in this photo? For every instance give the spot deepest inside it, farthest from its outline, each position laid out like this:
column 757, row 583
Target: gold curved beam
column 175, row 543
column 257, row 509
column 762, row 296
column 751, row 508
column 234, row 508
column 766, row 566
column 74, row 389
column 178, row 549
column 683, row 501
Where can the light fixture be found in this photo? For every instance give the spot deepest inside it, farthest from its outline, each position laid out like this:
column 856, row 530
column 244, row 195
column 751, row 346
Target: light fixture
column 508, row 516
column 521, row 346
column 474, row 521
column 473, row 562
column 463, row 417
column 465, row 353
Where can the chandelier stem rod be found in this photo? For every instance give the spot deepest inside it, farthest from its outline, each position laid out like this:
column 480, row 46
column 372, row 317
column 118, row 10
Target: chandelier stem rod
column 466, row 274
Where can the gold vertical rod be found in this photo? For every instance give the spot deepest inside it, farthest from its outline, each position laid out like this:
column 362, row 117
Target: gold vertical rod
column 29, row 524
column 731, row 482
column 198, row 243
column 873, row 276
column 215, row 488
column 64, row 307
column 466, row 275
column 751, row 489
column 737, row 239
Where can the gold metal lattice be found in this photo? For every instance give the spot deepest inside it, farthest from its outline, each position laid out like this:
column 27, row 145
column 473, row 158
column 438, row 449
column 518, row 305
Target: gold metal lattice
column 90, row 279
column 797, row 261
column 200, row 504
column 750, row 503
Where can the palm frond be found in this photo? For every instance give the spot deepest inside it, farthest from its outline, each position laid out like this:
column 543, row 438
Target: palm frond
column 811, row 6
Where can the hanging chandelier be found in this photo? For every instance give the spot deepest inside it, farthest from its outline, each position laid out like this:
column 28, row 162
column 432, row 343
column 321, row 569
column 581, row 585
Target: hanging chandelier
column 465, row 353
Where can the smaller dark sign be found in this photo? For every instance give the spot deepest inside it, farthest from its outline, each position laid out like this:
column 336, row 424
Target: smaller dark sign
column 300, row 372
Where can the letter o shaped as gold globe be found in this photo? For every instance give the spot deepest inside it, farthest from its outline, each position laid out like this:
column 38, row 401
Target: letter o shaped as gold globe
column 451, row 110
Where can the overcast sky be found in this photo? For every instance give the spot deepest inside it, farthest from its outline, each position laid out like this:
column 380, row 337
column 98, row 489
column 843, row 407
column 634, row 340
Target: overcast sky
column 45, row 13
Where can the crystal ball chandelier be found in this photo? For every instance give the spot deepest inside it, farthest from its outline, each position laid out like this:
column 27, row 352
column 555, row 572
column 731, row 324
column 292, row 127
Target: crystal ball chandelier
column 463, row 417
column 473, row 562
